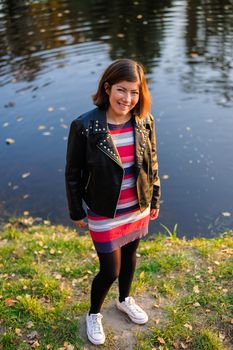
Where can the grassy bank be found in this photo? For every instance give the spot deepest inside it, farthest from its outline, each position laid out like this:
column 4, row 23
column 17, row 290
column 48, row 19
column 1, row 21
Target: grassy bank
column 46, row 272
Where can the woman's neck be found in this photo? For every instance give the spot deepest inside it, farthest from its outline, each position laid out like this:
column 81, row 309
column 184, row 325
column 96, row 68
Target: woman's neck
column 117, row 119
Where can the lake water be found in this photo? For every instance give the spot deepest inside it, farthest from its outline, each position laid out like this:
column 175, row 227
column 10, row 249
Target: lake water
column 51, row 56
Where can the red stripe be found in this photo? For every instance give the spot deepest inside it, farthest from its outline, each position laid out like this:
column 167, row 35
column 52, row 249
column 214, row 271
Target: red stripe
column 123, row 230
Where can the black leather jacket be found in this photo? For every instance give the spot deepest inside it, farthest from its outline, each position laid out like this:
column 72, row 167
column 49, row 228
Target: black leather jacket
column 94, row 170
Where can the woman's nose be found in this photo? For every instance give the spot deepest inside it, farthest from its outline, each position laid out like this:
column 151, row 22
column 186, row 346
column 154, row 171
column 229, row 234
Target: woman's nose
column 127, row 97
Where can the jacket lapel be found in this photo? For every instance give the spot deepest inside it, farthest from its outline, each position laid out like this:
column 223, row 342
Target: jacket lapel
column 141, row 134
column 104, row 140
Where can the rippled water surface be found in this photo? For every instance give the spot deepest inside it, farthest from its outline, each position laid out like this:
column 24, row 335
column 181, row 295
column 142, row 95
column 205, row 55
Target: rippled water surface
column 51, row 56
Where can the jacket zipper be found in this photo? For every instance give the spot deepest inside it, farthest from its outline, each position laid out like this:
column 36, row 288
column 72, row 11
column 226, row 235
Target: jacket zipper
column 88, row 180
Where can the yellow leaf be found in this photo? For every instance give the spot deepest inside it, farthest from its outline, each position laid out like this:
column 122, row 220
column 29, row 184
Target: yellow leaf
column 142, row 275
column 18, row 331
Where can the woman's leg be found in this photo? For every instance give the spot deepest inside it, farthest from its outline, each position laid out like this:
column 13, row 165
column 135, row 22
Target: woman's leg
column 110, row 264
column 128, row 264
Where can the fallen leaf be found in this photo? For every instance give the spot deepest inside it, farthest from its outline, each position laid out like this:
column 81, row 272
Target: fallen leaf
column 189, row 326
column 226, row 213
column 18, row 331
column 10, row 141
column 196, row 289
column 161, row 340
column 30, row 324
column 41, row 127
column 196, row 304
column 50, row 109
column 64, row 126
column 9, row 302
column 25, row 175
column 142, row 275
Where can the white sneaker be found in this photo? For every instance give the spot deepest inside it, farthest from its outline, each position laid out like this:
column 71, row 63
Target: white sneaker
column 135, row 313
column 95, row 332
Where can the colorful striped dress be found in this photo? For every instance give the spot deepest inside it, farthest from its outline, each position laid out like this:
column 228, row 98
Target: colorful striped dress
column 109, row 234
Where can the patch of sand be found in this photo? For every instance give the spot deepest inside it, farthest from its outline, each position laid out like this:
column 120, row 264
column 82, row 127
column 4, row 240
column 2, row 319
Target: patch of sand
column 120, row 331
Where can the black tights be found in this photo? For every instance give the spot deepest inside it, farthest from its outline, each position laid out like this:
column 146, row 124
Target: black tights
column 119, row 264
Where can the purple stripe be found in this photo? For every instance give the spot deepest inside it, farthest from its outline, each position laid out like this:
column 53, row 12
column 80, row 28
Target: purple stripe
column 118, row 211
column 108, row 247
column 128, row 124
column 130, row 170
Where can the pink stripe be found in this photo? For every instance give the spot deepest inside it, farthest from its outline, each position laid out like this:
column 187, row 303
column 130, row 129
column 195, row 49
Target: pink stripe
column 121, row 131
column 128, row 159
column 126, row 151
column 129, row 192
column 123, row 230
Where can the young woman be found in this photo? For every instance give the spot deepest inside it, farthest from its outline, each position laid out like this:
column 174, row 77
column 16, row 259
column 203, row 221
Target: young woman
column 112, row 166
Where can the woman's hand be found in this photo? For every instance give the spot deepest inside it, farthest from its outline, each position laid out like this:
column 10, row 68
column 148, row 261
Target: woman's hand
column 154, row 213
column 80, row 223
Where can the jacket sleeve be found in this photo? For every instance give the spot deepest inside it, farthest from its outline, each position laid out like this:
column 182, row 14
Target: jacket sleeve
column 75, row 162
column 155, row 202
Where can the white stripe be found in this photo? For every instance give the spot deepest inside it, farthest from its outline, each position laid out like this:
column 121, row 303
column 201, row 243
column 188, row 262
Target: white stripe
column 127, row 165
column 124, row 142
column 128, row 204
column 109, row 224
column 128, row 183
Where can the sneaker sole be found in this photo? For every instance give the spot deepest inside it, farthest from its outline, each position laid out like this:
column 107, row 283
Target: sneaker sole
column 93, row 341
column 135, row 320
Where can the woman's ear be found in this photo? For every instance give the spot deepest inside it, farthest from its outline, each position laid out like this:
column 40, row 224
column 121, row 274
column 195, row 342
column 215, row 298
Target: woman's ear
column 107, row 87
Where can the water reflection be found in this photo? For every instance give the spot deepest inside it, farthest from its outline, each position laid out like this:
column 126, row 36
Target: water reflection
column 51, row 55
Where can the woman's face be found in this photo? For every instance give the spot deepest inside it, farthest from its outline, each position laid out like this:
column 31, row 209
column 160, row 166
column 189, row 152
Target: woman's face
column 123, row 97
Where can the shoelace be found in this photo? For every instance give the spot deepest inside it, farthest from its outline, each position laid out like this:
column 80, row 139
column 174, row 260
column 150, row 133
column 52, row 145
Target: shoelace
column 130, row 303
column 96, row 323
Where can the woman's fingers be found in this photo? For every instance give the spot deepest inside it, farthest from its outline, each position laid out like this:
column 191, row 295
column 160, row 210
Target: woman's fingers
column 154, row 213
column 80, row 223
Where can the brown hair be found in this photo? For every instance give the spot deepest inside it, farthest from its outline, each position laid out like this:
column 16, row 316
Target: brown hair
column 128, row 70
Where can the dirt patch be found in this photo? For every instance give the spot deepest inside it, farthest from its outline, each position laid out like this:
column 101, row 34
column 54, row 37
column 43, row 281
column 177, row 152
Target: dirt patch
column 120, row 331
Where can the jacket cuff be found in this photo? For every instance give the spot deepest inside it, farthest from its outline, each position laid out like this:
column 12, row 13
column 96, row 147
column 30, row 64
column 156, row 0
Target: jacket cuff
column 78, row 216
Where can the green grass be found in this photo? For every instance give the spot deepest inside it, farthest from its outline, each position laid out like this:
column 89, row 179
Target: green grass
column 46, row 273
